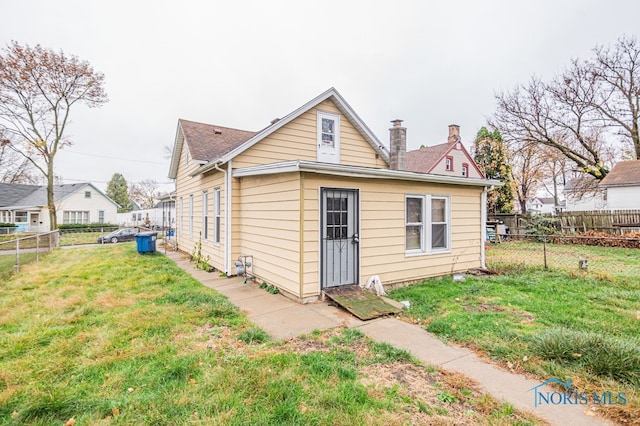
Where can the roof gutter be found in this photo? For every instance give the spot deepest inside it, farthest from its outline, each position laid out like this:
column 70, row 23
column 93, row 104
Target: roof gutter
column 360, row 172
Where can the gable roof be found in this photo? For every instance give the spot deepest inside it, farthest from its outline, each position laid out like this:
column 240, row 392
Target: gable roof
column 424, row 160
column 207, row 142
column 624, row 173
column 201, row 138
column 12, row 193
column 16, row 195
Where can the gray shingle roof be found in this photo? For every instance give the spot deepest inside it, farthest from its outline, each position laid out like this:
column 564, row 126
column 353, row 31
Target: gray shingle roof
column 34, row 195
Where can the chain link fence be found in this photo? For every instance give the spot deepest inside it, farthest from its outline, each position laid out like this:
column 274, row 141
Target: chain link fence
column 18, row 251
column 605, row 257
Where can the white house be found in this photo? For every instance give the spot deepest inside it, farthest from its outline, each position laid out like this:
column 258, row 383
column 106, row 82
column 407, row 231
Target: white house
column 621, row 186
column 26, row 205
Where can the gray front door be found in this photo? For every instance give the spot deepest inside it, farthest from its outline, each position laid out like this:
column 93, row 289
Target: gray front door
column 340, row 239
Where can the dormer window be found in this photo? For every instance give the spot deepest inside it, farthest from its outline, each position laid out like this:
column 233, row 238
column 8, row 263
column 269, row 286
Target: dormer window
column 448, row 165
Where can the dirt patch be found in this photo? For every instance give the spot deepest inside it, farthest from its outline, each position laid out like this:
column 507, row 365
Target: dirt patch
column 110, row 300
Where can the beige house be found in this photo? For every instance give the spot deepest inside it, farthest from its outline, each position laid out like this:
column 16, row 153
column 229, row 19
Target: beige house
column 318, row 201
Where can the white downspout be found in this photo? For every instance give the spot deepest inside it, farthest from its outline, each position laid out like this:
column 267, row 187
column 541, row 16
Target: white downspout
column 483, row 225
column 227, row 214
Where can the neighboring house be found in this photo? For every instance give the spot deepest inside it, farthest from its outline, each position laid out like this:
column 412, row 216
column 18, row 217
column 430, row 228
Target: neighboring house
column 448, row 159
column 26, row 205
column 622, row 186
column 581, row 195
column 318, row 202
column 542, row 205
column 162, row 215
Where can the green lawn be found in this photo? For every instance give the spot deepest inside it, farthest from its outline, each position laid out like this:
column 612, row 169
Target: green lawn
column 102, row 335
column 604, row 262
column 557, row 323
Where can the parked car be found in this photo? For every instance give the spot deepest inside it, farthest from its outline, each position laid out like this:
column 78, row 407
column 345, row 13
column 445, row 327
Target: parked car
column 126, row 234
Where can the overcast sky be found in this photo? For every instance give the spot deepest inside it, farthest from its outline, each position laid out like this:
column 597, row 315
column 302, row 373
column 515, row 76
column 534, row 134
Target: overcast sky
column 242, row 63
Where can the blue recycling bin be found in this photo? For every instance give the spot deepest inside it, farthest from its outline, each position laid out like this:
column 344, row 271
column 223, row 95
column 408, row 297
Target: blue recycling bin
column 146, row 241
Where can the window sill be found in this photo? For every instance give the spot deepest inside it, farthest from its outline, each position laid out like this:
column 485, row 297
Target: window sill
column 426, row 253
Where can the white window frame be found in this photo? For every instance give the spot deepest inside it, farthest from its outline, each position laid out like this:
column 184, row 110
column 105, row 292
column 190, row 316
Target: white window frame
column 205, row 215
column 180, row 214
column 75, row 216
column 465, row 170
column 101, row 216
column 326, row 156
column 217, row 215
column 191, row 215
column 87, row 194
column 426, row 225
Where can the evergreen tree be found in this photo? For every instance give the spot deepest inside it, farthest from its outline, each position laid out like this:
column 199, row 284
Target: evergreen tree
column 492, row 158
column 118, row 192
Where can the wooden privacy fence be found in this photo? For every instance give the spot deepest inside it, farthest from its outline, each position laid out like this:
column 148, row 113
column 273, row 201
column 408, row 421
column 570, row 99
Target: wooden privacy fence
column 615, row 222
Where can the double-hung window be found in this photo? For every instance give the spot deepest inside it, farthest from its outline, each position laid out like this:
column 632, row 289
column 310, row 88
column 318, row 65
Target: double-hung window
column 427, row 224
column 216, row 213
column 191, row 216
column 205, row 215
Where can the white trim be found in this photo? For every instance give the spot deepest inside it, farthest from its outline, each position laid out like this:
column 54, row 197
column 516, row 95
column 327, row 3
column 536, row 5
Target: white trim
column 426, row 236
column 342, row 106
column 361, row 172
column 228, row 219
column 483, row 225
column 326, row 154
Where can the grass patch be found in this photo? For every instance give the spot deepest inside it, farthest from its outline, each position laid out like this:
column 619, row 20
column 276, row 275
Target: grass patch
column 104, row 335
column 547, row 323
column 599, row 354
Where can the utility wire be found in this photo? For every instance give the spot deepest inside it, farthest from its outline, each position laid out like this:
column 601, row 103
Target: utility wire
column 114, row 158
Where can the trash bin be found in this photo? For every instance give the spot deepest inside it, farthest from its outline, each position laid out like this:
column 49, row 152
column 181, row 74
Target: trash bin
column 146, row 242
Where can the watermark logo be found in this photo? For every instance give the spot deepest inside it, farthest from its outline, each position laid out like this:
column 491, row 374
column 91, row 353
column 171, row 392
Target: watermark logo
column 568, row 395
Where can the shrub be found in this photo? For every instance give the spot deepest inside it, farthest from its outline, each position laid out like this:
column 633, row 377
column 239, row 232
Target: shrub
column 599, row 354
column 7, row 225
column 88, row 227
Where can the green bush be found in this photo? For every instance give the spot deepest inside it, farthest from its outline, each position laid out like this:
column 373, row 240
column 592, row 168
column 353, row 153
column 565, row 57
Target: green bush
column 542, row 225
column 88, row 227
column 7, row 225
column 599, row 354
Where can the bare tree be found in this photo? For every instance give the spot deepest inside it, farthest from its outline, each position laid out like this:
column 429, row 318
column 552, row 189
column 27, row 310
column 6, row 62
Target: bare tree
column 526, row 173
column 616, row 71
column 13, row 167
column 38, row 87
column 582, row 111
column 145, row 193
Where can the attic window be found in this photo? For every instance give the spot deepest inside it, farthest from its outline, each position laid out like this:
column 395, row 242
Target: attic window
column 87, row 194
column 328, row 137
column 465, row 170
column 458, row 145
column 448, row 163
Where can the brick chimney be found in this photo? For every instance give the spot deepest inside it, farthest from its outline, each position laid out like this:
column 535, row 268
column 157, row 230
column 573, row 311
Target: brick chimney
column 398, row 146
column 454, row 133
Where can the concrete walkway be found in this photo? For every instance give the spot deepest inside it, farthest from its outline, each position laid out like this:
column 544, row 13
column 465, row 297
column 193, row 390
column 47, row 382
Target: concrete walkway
column 283, row 318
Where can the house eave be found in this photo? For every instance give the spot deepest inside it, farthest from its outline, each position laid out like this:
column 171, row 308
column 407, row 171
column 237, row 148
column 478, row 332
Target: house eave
column 359, row 172
column 340, row 103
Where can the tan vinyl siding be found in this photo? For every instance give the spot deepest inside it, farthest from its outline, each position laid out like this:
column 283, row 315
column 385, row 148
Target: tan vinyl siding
column 297, row 140
column 268, row 223
column 382, row 230
column 187, row 186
